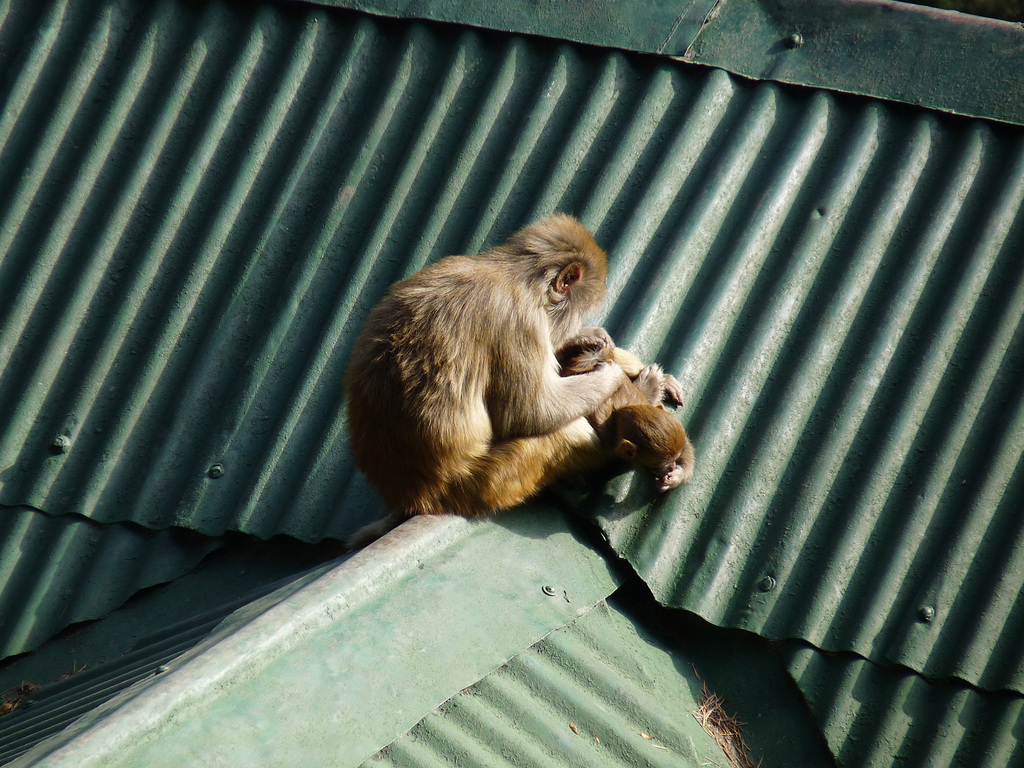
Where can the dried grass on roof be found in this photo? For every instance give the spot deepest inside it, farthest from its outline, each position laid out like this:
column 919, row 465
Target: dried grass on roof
column 723, row 728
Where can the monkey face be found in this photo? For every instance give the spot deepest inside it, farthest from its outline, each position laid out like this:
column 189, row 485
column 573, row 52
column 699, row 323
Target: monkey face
column 651, row 439
column 672, row 474
column 670, row 471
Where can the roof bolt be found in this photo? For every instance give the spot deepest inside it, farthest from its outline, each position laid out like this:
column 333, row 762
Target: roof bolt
column 61, row 444
column 926, row 614
column 794, row 41
column 548, row 590
column 161, row 669
column 215, row 471
column 767, row 584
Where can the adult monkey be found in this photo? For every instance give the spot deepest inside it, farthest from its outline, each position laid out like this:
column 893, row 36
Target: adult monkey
column 455, row 402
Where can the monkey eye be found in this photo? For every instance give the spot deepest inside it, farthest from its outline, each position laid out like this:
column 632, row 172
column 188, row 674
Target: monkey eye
column 570, row 274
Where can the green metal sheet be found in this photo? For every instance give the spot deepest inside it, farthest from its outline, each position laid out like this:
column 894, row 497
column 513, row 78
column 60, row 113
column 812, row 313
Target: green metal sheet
column 842, row 295
column 194, row 230
column 56, row 571
column 892, row 50
column 80, row 669
column 657, row 25
column 194, row 226
column 873, row 715
column 336, row 669
column 598, row 692
column 52, row 706
column 620, row 686
column 829, row 276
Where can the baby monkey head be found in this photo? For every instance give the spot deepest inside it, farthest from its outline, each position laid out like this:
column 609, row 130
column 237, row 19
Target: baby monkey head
column 651, row 439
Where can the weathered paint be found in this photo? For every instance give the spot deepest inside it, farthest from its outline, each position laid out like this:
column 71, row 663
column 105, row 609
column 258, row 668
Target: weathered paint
column 194, row 226
column 890, row 50
column 843, row 299
column 55, row 571
column 336, row 669
column 874, row 715
column 598, row 692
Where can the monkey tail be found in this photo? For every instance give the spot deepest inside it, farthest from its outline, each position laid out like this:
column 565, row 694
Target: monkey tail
column 370, row 533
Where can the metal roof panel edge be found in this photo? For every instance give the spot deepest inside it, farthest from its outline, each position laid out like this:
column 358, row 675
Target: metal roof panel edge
column 364, row 646
column 945, row 60
column 663, row 26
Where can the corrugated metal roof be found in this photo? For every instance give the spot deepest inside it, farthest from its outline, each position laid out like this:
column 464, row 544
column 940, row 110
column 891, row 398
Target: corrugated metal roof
column 621, row 685
column 330, row 669
column 659, row 27
column 199, row 204
column 890, row 50
column 195, row 229
column 597, row 692
column 842, row 293
column 80, row 669
column 884, row 716
column 893, row 50
column 52, row 708
column 55, row 571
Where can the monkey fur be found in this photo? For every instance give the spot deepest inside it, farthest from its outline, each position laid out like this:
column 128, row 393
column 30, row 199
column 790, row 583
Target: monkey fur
column 455, row 400
column 633, row 424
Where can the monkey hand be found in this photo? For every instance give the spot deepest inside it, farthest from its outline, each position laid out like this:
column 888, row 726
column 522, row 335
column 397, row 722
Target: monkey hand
column 672, row 392
column 659, row 387
column 606, row 377
column 585, row 351
column 597, row 336
column 651, row 383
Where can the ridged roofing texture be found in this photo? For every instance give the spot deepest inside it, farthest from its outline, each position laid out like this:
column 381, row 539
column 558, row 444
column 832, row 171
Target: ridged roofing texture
column 876, row 716
column 55, row 571
column 199, row 205
column 594, row 693
column 334, row 666
column 891, row 50
column 196, row 225
column 77, row 671
column 843, row 296
column 52, row 708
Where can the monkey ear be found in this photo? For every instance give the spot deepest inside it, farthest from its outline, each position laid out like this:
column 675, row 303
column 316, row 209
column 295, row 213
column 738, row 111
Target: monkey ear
column 625, row 449
column 571, row 273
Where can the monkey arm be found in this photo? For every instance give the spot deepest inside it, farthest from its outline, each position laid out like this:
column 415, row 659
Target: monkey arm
column 545, row 402
column 631, row 364
column 669, row 390
column 653, row 385
column 563, row 400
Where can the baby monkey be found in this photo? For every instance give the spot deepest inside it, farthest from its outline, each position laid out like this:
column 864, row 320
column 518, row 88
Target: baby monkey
column 633, row 423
